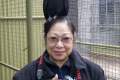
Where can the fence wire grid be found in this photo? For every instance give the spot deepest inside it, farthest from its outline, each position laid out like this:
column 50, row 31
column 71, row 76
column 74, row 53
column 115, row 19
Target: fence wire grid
column 98, row 35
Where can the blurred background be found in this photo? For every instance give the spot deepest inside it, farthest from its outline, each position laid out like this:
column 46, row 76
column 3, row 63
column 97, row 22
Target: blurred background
column 98, row 33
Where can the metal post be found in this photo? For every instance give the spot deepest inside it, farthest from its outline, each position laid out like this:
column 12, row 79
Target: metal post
column 29, row 29
column 0, row 57
column 2, row 6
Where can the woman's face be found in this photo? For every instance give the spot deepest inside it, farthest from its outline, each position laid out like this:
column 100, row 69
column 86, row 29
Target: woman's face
column 59, row 41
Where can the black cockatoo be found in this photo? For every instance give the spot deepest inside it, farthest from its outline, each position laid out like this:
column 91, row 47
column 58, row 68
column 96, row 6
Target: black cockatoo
column 57, row 8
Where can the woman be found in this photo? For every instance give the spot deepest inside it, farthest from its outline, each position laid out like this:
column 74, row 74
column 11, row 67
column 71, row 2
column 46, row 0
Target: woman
column 60, row 61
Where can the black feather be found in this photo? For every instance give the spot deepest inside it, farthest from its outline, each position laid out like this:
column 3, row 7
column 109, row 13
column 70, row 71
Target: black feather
column 53, row 8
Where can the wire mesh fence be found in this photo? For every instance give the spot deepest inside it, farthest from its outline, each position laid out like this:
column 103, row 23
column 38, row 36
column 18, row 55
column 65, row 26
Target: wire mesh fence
column 99, row 34
column 12, row 25
column 98, row 37
column 13, row 35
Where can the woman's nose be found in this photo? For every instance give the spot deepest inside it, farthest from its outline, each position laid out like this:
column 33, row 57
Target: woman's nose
column 59, row 44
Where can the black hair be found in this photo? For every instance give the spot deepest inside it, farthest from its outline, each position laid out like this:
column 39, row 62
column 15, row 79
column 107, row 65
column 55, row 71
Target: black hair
column 49, row 23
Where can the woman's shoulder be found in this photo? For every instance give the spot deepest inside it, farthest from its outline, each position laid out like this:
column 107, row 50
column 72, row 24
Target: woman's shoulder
column 86, row 62
column 95, row 70
column 93, row 66
column 26, row 72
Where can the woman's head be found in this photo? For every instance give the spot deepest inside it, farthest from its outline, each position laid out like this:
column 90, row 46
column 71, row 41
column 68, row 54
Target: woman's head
column 59, row 37
column 48, row 24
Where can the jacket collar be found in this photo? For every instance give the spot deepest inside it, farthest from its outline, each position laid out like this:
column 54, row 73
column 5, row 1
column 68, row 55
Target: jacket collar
column 47, row 60
column 79, row 61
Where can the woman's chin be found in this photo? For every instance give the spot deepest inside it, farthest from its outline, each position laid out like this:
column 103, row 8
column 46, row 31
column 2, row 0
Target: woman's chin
column 58, row 58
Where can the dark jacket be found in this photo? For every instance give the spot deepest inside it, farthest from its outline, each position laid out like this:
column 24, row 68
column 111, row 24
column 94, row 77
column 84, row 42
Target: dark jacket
column 88, row 70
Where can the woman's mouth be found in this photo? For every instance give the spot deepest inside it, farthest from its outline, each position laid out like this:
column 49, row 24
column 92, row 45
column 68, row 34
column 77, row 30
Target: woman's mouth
column 59, row 52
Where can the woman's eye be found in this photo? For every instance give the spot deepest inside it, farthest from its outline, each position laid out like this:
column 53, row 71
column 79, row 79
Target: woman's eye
column 53, row 38
column 66, row 39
